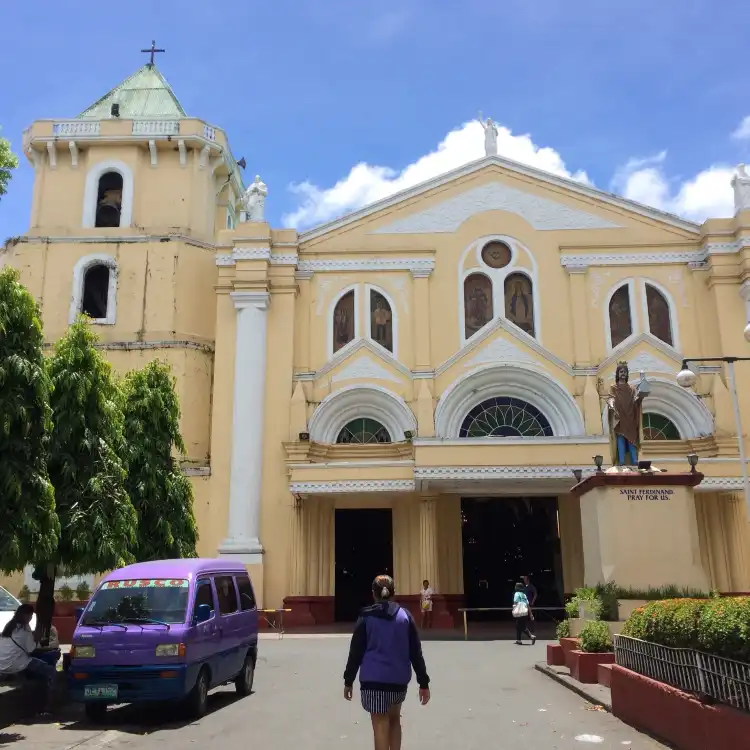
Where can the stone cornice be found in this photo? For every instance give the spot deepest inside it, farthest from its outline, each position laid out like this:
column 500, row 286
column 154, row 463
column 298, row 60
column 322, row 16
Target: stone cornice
column 363, row 485
column 120, row 239
column 251, row 298
column 385, row 263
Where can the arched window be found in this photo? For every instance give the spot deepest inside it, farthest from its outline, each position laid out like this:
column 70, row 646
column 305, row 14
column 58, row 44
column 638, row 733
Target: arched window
column 657, row 427
column 109, row 200
column 505, row 417
column 478, row 309
column 343, row 321
column 659, row 320
column 620, row 321
column 363, row 431
column 519, row 302
column 96, row 292
column 381, row 321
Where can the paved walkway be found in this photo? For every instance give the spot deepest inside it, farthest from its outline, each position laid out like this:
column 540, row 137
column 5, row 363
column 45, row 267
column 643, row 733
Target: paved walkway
column 485, row 695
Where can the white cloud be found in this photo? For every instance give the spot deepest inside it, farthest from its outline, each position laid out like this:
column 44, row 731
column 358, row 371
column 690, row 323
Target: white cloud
column 367, row 183
column 707, row 194
column 742, row 133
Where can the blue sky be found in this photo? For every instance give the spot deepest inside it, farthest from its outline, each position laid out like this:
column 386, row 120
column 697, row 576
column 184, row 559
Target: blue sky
column 349, row 101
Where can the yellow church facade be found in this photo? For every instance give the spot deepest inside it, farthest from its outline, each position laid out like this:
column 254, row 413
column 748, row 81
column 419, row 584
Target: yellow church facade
column 415, row 387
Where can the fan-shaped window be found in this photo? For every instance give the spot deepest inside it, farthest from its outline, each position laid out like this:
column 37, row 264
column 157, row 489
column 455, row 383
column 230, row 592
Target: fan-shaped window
column 519, row 302
column 656, row 427
column 478, row 309
column 343, row 321
column 381, row 320
column 505, row 417
column 109, row 200
column 620, row 321
column 96, row 292
column 363, row 431
column 659, row 321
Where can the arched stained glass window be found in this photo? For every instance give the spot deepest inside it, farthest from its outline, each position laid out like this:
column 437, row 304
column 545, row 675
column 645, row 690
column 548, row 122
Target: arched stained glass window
column 363, row 431
column 620, row 322
column 505, row 417
column 656, row 427
column 659, row 321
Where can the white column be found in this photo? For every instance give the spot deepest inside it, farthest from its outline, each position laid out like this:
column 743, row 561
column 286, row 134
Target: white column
column 243, row 532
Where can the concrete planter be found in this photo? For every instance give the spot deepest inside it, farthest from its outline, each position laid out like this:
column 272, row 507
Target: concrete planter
column 674, row 716
column 584, row 666
column 569, row 645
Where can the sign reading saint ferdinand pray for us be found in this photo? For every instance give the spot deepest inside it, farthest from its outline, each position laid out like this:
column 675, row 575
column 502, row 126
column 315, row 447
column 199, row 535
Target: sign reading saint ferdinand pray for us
column 645, row 493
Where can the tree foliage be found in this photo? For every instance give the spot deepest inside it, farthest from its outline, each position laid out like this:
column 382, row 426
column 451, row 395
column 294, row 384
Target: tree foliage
column 28, row 522
column 161, row 493
column 8, row 162
column 86, row 458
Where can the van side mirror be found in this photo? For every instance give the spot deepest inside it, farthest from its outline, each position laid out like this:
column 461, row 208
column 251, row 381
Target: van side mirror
column 203, row 613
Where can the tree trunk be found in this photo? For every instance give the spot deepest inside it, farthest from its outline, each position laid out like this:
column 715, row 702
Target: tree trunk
column 45, row 605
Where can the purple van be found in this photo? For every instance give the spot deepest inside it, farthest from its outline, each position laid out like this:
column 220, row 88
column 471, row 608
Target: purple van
column 165, row 630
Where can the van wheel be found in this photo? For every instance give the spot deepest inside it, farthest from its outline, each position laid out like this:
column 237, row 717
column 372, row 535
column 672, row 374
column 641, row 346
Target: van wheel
column 95, row 712
column 244, row 680
column 198, row 697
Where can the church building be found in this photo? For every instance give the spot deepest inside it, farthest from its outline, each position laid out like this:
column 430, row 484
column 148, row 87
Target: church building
column 413, row 388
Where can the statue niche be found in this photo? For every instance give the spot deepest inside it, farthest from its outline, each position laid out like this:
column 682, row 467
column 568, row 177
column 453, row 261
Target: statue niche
column 343, row 321
column 381, row 321
column 477, row 303
column 519, row 302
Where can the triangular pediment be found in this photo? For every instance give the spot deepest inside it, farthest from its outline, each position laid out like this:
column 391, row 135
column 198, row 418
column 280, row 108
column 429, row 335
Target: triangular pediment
column 499, row 343
column 363, row 360
column 644, row 352
column 547, row 202
column 542, row 214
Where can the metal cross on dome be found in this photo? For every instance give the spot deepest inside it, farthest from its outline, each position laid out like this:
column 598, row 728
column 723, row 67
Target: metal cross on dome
column 152, row 51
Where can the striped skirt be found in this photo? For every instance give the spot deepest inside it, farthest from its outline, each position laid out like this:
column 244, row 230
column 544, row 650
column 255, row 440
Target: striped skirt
column 380, row 701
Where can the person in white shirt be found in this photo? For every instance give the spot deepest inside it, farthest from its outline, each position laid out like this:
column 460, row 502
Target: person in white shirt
column 17, row 644
column 425, row 604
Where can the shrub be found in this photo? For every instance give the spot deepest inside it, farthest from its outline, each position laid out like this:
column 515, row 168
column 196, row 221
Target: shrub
column 660, row 592
column 563, row 629
column 607, row 594
column 83, row 592
column 24, row 594
column 589, row 597
column 724, row 628
column 66, row 593
column 595, row 637
column 718, row 626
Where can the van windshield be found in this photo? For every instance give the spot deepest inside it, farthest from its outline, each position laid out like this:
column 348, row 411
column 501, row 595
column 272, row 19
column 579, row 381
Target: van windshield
column 140, row 601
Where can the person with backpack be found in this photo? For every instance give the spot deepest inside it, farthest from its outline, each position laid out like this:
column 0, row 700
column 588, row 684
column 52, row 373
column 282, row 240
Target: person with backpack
column 384, row 649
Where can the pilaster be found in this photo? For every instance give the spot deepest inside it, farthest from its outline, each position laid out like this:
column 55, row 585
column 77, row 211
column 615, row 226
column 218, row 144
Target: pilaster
column 422, row 319
column 580, row 313
column 428, row 540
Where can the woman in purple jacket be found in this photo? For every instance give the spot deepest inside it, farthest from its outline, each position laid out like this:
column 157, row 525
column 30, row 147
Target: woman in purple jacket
column 384, row 648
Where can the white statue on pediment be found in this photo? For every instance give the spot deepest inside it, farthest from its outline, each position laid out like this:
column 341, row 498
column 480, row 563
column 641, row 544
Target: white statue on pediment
column 741, row 186
column 490, row 135
column 254, row 201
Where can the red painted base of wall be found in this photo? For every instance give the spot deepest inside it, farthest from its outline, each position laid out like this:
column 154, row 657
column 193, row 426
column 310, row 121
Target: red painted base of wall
column 308, row 611
column 674, row 716
column 568, row 646
column 555, row 655
column 584, row 667
column 445, row 614
column 65, row 626
column 604, row 674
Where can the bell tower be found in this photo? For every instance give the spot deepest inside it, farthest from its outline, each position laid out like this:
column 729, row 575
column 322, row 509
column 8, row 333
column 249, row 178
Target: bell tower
column 129, row 200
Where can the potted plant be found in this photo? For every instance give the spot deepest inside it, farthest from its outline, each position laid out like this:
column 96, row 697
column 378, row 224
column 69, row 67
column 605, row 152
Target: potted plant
column 24, row 594
column 83, row 592
column 596, row 649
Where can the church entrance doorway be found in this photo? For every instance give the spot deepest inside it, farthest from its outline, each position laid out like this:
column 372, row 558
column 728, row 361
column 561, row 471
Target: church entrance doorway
column 503, row 539
column 363, row 550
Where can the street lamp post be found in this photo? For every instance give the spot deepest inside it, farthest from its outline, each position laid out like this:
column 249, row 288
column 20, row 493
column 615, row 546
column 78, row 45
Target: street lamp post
column 686, row 378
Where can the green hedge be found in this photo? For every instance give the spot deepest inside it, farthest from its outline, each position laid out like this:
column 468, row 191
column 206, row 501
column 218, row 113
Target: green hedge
column 720, row 625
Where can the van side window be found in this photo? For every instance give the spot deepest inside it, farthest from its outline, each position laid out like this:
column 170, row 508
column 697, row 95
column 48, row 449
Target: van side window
column 227, row 594
column 203, row 595
column 247, row 595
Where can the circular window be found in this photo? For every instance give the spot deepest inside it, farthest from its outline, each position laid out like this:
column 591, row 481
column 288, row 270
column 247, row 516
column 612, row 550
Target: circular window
column 496, row 254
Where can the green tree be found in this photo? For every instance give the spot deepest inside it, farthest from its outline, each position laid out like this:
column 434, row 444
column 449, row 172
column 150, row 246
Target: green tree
column 8, row 161
column 86, row 466
column 161, row 493
column 28, row 522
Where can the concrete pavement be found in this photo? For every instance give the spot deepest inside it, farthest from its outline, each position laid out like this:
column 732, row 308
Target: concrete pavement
column 486, row 694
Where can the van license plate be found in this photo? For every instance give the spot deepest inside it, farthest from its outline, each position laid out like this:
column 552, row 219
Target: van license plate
column 100, row 691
